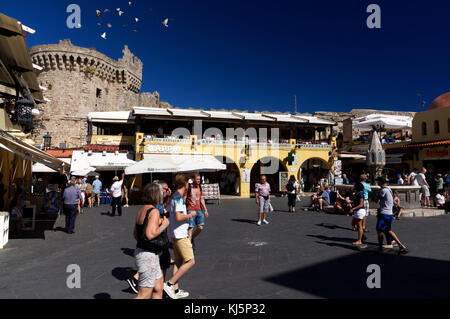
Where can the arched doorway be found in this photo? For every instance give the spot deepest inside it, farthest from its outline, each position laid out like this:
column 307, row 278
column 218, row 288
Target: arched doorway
column 271, row 167
column 228, row 180
column 313, row 172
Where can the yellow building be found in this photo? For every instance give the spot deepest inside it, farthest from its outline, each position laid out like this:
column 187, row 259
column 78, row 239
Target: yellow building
column 431, row 137
column 248, row 144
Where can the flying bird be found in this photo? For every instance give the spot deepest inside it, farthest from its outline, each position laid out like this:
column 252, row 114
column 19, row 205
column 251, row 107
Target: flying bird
column 166, row 23
column 137, row 20
column 106, row 10
column 99, row 13
column 129, row 3
column 104, row 35
column 109, row 25
column 99, row 24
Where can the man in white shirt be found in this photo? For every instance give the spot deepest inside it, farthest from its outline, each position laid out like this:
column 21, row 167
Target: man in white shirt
column 412, row 178
column 440, row 199
column 116, row 193
column 425, row 188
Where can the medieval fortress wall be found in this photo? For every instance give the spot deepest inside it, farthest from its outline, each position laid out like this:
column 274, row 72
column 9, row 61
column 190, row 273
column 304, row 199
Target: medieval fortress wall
column 81, row 80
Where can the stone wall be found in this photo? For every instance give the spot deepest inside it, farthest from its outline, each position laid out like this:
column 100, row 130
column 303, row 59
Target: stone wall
column 81, row 80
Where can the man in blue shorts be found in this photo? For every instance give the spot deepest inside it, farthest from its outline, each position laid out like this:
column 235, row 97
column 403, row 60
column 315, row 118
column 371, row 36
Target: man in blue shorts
column 385, row 216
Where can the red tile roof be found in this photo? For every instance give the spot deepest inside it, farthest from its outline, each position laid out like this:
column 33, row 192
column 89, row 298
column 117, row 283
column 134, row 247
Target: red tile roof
column 62, row 153
column 427, row 144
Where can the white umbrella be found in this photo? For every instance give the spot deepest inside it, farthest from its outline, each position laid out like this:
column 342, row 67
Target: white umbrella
column 202, row 164
column 83, row 172
column 386, row 122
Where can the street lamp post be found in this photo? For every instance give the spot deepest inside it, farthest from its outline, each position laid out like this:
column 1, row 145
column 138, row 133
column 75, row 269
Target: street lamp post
column 47, row 141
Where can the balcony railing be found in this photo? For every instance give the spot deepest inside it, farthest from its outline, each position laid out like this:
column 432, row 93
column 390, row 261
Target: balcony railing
column 252, row 143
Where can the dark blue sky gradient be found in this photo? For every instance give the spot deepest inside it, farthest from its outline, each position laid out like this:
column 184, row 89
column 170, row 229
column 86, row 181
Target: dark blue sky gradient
column 256, row 55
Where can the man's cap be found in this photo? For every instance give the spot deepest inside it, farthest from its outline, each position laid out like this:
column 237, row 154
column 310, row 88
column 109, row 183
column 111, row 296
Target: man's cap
column 116, row 179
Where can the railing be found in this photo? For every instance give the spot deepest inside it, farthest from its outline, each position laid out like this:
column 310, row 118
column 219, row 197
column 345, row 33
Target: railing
column 233, row 143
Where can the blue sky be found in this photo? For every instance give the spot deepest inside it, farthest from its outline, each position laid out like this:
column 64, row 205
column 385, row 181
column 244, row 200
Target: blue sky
column 256, row 55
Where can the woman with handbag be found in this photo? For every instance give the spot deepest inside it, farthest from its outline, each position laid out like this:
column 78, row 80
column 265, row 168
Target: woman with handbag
column 151, row 235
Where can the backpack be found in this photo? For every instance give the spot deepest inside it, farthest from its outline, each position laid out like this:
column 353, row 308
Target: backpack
column 189, row 193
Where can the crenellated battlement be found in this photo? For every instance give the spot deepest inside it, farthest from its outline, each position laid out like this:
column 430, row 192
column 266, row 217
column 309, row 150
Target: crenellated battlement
column 65, row 56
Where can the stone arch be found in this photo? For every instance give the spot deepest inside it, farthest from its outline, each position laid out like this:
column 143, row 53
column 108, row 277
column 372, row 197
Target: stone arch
column 271, row 167
column 312, row 170
column 229, row 180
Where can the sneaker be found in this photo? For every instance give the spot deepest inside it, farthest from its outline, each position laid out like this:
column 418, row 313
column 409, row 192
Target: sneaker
column 182, row 294
column 170, row 291
column 259, row 223
column 265, row 222
column 133, row 285
column 126, row 206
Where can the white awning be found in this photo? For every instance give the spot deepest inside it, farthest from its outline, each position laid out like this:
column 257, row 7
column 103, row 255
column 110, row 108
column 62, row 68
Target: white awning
column 111, row 117
column 175, row 163
column 352, row 156
column 187, row 113
column 386, row 122
column 39, row 168
column 287, row 118
column 84, row 161
column 254, row 117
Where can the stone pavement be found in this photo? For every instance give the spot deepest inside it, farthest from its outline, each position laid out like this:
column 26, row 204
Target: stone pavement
column 302, row 255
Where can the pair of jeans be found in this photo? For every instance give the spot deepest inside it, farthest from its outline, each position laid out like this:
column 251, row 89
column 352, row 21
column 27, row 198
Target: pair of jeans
column 71, row 212
column 116, row 202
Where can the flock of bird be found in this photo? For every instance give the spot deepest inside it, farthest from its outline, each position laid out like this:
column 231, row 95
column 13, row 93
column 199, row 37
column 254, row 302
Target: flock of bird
column 99, row 14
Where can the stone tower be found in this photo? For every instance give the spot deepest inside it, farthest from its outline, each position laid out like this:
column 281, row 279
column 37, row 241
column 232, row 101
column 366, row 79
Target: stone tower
column 81, row 80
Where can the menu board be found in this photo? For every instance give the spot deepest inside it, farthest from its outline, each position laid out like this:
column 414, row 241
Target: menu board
column 284, row 179
column 211, row 191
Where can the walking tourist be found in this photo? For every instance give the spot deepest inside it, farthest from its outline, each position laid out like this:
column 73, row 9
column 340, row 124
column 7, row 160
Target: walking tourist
column 359, row 212
column 82, row 188
column 425, row 187
column 71, row 198
column 385, row 217
column 125, row 188
column 262, row 194
column 90, row 196
column 292, row 188
column 116, row 193
column 164, row 258
column 150, row 226
column 178, row 232
column 196, row 203
column 367, row 190
column 97, row 184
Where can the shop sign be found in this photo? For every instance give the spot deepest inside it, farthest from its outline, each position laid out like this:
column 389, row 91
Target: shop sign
column 112, row 140
column 338, row 169
column 163, row 148
column 436, row 153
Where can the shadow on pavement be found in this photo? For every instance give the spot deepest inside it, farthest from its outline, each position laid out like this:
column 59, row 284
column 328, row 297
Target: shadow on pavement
column 102, row 296
column 128, row 251
column 346, row 277
column 332, row 226
column 123, row 273
column 248, row 221
column 43, row 223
